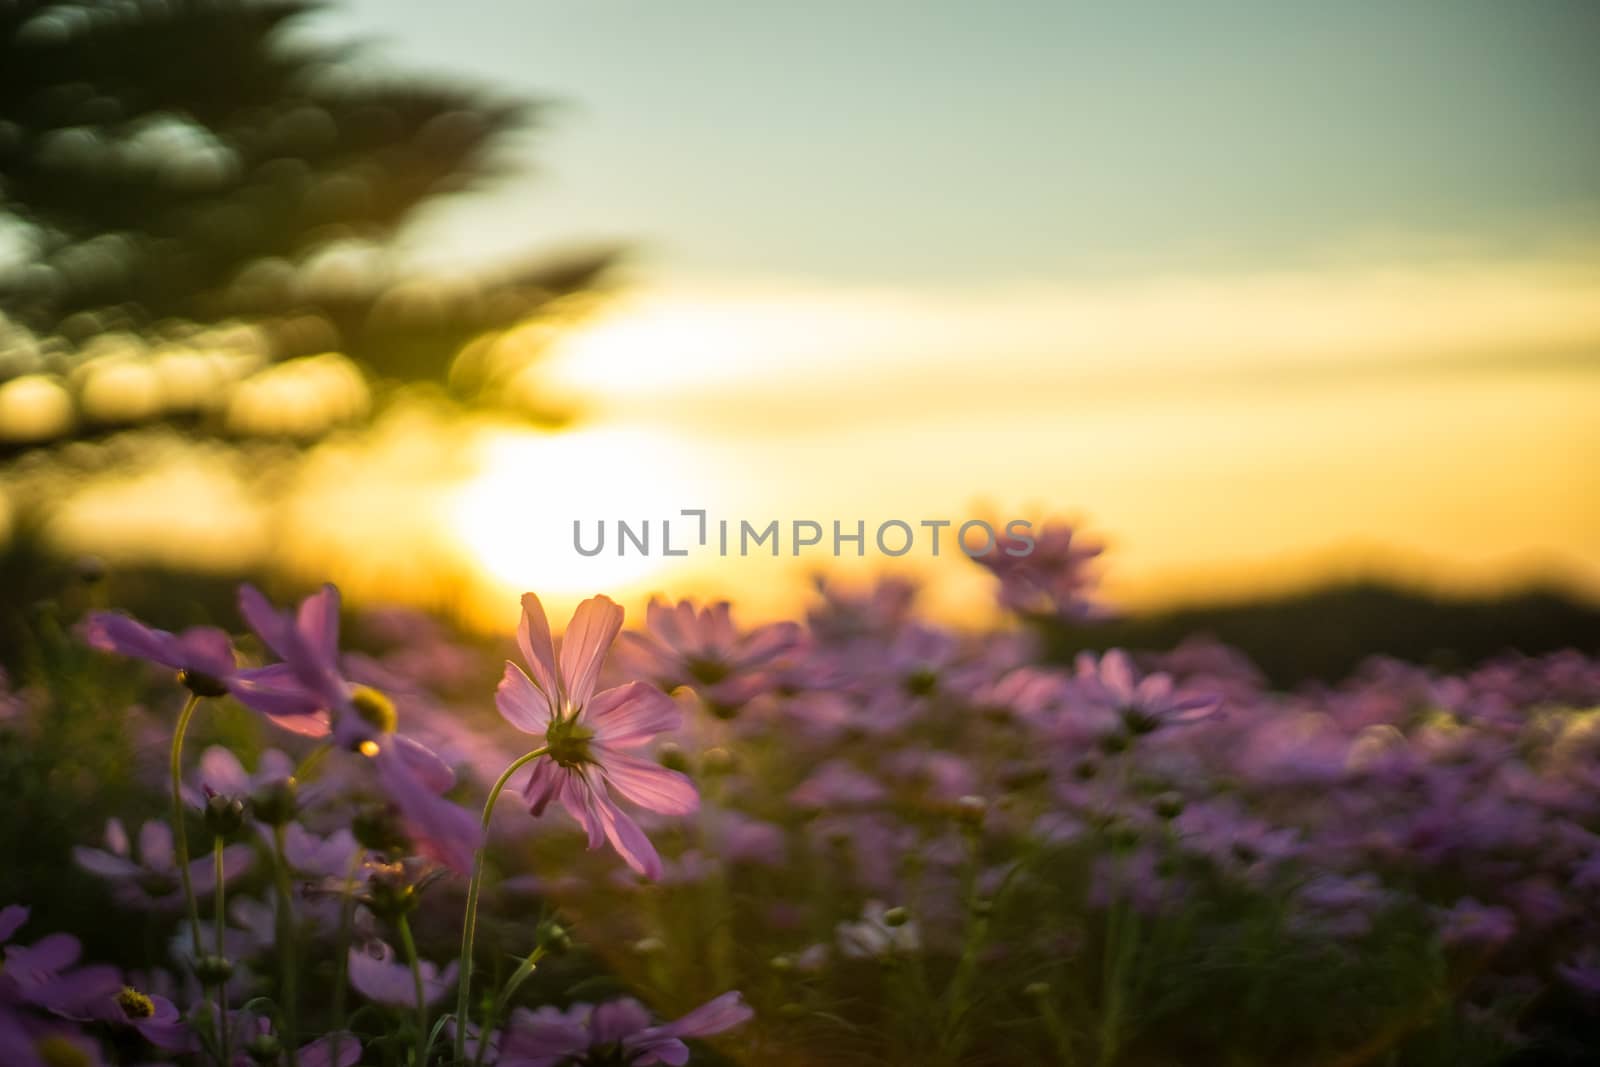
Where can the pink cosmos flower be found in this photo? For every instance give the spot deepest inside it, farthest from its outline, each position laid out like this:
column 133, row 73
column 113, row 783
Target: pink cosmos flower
column 1052, row 579
column 703, row 650
column 1142, row 705
column 589, row 735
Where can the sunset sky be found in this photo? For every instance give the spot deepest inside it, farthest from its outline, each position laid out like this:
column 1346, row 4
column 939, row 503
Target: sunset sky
column 1263, row 292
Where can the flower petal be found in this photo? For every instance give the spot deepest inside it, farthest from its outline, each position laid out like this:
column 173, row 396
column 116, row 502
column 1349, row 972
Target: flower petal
column 434, row 773
column 538, row 650
column 114, row 632
column 318, row 622
column 221, row 772
column 155, row 846
column 594, row 626
column 625, row 836
column 648, row 784
column 521, row 703
column 542, row 786
column 627, row 716
column 443, row 831
column 712, row 1017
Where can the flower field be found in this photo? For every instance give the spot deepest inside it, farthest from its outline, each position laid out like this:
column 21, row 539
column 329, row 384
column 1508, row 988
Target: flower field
column 859, row 837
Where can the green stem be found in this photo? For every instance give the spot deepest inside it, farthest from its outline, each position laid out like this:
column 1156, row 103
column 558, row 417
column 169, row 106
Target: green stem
column 179, row 835
column 347, row 908
column 469, row 921
column 221, row 925
column 286, row 992
column 523, row 971
column 416, row 980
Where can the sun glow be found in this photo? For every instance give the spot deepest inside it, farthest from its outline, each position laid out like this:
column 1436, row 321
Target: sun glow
column 515, row 517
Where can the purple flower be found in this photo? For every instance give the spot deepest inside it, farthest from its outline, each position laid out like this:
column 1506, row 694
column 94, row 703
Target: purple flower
column 1052, row 579
column 836, row 784
column 155, row 1017
column 338, row 1049
column 152, row 881
column 379, row 977
column 589, row 734
column 1582, row 973
column 357, row 717
column 1473, row 925
column 45, row 974
column 702, row 649
column 26, row 1042
column 1142, row 705
column 202, row 656
column 618, row 1031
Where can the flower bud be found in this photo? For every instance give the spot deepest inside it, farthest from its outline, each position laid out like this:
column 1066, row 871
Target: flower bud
column 91, row 569
column 379, row 829
column 213, row 970
column 896, row 917
column 264, row 1048
column 276, row 803
column 671, row 756
column 649, row 946
column 781, row 964
column 717, row 761
column 970, row 811
column 390, row 893
column 1168, row 805
column 554, row 937
column 225, row 815
column 791, row 1010
column 1036, row 990
column 201, row 684
column 1113, row 743
column 921, row 682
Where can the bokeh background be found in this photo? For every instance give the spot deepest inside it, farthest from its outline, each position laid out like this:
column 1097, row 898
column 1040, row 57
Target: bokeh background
column 1270, row 298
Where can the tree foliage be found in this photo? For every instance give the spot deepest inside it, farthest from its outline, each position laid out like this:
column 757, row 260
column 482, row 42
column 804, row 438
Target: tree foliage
column 201, row 178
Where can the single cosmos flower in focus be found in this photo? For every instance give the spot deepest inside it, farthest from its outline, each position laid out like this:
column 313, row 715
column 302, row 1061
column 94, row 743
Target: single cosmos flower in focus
column 590, row 735
column 356, row 717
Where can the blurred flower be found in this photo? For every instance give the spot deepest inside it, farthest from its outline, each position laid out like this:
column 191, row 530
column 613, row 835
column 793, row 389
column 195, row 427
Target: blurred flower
column 837, row 784
column 151, row 881
column 702, row 649
column 586, row 733
column 357, row 717
column 155, row 1017
column 874, row 936
column 379, row 977
column 618, row 1032
column 1142, row 705
column 1470, row 924
column 1052, row 579
column 202, row 656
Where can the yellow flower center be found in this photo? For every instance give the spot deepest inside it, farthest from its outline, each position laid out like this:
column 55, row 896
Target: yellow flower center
column 374, row 709
column 134, row 1004
column 58, row 1051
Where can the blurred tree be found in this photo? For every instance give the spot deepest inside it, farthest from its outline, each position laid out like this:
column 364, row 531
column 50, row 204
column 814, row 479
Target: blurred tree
column 194, row 195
